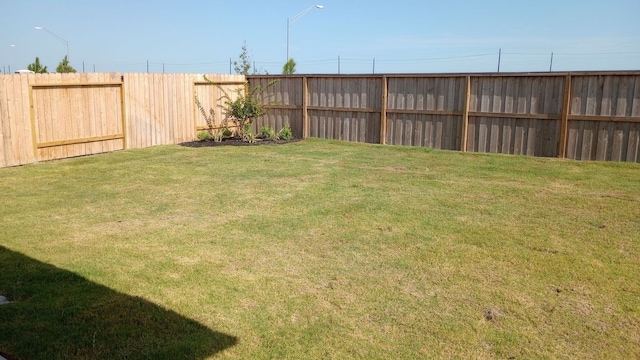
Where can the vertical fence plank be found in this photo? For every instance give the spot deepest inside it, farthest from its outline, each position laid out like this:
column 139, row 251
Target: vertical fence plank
column 564, row 121
column 145, row 118
column 306, row 131
column 495, row 124
column 183, row 97
column 6, row 153
column 34, row 125
column 383, row 109
column 465, row 114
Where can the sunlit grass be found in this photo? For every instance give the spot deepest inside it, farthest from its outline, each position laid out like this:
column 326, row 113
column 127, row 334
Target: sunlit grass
column 321, row 249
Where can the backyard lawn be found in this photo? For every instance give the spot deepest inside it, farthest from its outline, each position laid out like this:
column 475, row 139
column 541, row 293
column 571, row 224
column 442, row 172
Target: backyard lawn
column 319, row 249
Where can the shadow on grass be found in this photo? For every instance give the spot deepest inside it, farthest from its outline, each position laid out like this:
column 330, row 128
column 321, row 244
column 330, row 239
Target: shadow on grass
column 55, row 314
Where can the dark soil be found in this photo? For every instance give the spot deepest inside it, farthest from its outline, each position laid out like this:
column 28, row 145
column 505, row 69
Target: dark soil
column 234, row 141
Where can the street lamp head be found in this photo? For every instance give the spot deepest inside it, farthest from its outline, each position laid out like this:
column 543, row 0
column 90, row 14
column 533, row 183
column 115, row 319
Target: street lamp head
column 57, row 36
column 297, row 17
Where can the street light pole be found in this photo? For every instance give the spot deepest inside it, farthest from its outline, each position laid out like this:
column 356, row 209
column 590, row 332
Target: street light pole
column 295, row 18
column 59, row 38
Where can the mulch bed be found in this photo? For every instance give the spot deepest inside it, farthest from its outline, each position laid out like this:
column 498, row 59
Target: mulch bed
column 235, row 142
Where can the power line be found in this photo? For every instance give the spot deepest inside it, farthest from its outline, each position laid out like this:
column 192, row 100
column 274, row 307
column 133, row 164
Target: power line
column 377, row 59
column 466, row 61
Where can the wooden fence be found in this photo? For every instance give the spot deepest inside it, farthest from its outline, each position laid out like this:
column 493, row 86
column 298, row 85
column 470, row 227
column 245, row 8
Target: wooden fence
column 54, row 116
column 583, row 116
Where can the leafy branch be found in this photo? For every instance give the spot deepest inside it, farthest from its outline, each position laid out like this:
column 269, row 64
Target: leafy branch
column 208, row 118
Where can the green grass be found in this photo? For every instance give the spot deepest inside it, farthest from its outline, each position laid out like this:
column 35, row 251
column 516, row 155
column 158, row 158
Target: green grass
column 320, row 249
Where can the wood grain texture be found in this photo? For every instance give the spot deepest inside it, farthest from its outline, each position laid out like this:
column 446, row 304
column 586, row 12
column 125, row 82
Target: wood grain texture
column 75, row 114
column 604, row 118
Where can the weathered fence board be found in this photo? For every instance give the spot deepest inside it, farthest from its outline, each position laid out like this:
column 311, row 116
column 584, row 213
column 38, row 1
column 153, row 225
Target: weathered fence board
column 345, row 125
column 515, row 115
column 345, row 108
column 425, row 111
column 332, row 107
column 523, row 114
column 604, row 119
column 284, row 100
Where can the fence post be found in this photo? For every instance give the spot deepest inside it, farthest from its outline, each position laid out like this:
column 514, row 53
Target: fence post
column 305, row 109
column 32, row 118
column 383, row 110
column 465, row 114
column 123, row 114
column 564, row 122
column 194, row 96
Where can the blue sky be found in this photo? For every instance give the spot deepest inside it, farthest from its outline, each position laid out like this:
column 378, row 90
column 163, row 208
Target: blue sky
column 403, row 36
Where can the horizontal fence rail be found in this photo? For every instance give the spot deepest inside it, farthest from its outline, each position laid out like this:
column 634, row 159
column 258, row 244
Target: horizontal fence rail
column 582, row 116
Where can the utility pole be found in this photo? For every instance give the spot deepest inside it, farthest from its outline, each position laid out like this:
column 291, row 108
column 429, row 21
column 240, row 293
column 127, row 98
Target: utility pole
column 499, row 58
column 551, row 63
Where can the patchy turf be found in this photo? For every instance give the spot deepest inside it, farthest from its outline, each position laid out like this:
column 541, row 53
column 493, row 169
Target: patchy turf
column 320, row 249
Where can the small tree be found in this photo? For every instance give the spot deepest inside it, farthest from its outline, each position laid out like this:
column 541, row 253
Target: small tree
column 208, row 118
column 289, row 67
column 64, row 66
column 245, row 106
column 243, row 64
column 36, row 67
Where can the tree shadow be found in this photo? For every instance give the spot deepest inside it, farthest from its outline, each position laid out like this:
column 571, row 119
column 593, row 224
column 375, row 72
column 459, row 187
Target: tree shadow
column 55, row 314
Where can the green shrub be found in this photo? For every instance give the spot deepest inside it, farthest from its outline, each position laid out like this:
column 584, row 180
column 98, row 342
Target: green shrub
column 248, row 135
column 217, row 135
column 208, row 118
column 265, row 130
column 204, row 135
column 285, row 133
column 226, row 132
column 269, row 133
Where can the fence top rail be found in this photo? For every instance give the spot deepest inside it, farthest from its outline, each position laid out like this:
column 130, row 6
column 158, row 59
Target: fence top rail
column 461, row 75
column 381, row 75
column 221, row 82
column 76, row 84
